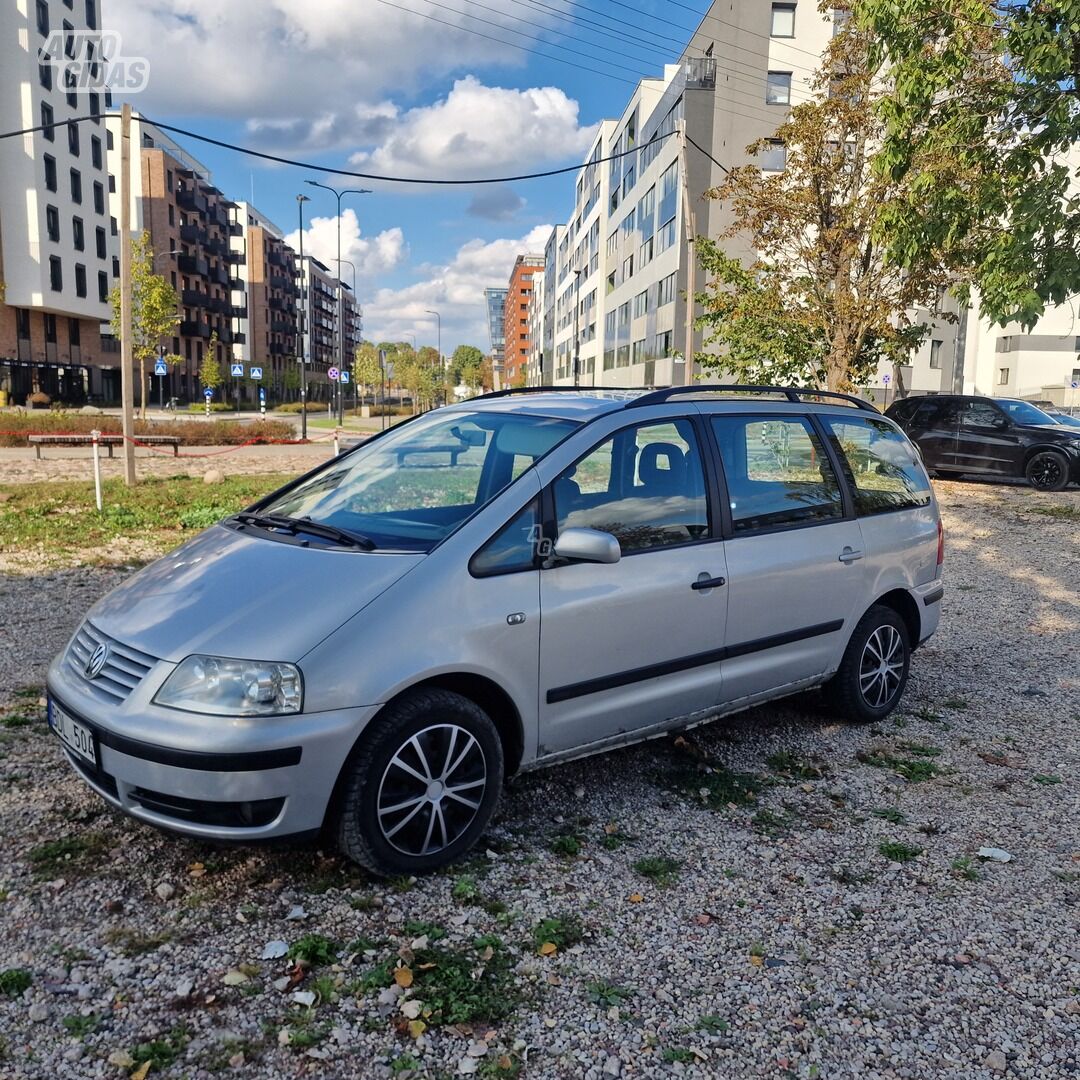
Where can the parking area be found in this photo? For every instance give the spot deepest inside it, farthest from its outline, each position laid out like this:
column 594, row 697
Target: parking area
column 772, row 895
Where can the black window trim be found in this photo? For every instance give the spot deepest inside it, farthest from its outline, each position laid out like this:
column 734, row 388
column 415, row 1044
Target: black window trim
column 550, row 523
column 538, row 501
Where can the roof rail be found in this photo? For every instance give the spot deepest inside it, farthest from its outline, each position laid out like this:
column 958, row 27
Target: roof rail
column 791, row 393
column 558, row 390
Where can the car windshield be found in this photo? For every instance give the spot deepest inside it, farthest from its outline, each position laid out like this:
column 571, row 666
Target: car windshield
column 1023, row 412
column 415, row 485
column 1065, row 419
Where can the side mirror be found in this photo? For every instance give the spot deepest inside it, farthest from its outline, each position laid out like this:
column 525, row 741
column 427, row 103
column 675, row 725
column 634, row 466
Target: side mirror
column 1000, row 423
column 588, row 545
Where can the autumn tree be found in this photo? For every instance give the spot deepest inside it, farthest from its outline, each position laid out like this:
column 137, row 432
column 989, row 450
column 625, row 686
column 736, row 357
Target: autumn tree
column 981, row 125
column 210, row 373
column 820, row 302
column 367, row 368
column 154, row 309
column 464, row 357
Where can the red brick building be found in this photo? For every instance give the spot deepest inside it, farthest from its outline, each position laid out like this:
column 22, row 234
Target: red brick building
column 516, row 318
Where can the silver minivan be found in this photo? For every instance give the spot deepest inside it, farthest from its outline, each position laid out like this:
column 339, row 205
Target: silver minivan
column 496, row 586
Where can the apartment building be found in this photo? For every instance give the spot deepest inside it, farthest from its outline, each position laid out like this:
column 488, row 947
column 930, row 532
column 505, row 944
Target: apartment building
column 197, row 239
column 352, row 316
column 319, row 296
column 495, row 301
column 534, row 367
column 516, row 337
column 56, row 244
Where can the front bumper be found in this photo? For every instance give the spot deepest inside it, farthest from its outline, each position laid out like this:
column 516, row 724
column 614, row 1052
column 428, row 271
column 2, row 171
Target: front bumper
column 223, row 779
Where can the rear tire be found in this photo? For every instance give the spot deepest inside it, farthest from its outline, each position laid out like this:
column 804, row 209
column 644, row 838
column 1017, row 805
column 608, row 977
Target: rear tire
column 1048, row 471
column 872, row 676
column 421, row 785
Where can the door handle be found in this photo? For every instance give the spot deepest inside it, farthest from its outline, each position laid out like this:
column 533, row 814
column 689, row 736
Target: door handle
column 705, row 582
column 850, row 555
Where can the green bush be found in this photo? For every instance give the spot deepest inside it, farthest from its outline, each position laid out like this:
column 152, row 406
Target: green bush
column 298, row 407
column 14, row 427
column 215, row 406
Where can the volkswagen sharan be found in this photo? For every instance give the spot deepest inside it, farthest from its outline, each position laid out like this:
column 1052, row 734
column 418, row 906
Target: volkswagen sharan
column 495, row 586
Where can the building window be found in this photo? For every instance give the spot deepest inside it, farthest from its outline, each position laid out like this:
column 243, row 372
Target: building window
column 47, row 122
column 56, row 274
column 168, row 179
column 52, row 223
column 73, row 139
column 69, row 40
column 22, row 323
column 665, row 291
column 76, row 186
column 112, row 226
column 91, row 14
column 641, row 304
column 74, row 332
column 43, row 17
column 935, row 355
column 103, row 286
column 628, row 268
column 77, row 234
column 665, row 238
column 1006, row 344
column 773, row 157
column 49, row 322
column 99, row 197
column 99, row 235
column 95, row 152
column 778, row 88
column 1075, row 376
column 783, row 20
column 1003, row 376
column 50, row 172
column 80, row 279
column 95, row 108
column 45, row 76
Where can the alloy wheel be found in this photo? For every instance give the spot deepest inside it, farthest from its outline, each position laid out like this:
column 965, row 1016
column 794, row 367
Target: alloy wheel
column 882, row 666
column 1045, row 471
column 431, row 789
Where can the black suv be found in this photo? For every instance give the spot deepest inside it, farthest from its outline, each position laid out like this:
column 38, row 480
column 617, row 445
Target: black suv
column 993, row 436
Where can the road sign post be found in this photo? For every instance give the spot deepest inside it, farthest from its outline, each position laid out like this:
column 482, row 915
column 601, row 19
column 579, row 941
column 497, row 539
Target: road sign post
column 262, row 401
column 161, row 369
column 208, row 394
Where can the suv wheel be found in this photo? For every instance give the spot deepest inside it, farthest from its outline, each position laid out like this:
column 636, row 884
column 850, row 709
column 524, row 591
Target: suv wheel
column 1048, row 471
column 871, row 678
column 421, row 785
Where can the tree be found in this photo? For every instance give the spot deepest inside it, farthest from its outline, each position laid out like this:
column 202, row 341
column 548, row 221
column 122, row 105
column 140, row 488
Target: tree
column 822, row 303
column 367, row 368
column 210, row 370
column 290, row 377
column 472, row 373
column 465, row 356
column 154, row 312
column 985, row 108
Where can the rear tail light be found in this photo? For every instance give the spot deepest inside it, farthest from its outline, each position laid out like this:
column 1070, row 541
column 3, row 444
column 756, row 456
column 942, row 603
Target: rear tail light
column 940, row 542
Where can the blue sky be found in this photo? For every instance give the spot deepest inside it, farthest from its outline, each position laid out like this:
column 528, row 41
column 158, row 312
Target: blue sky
column 377, row 86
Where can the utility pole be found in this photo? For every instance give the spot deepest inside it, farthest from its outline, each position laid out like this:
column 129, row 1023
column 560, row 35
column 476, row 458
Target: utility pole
column 127, row 373
column 691, row 257
column 960, row 352
column 300, row 200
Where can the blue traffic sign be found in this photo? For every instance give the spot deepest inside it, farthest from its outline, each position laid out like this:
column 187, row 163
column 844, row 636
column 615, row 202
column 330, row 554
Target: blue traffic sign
column 262, row 393
column 161, row 368
column 256, row 372
column 237, row 369
column 885, row 379
column 208, row 393
column 344, row 376
column 333, row 374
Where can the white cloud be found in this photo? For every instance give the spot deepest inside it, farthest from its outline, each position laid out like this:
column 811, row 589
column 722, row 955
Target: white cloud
column 455, row 290
column 476, row 129
column 371, row 255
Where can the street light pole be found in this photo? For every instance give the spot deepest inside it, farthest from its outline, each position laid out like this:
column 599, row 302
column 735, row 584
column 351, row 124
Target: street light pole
column 340, row 312
column 352, row 266
column 300, row 200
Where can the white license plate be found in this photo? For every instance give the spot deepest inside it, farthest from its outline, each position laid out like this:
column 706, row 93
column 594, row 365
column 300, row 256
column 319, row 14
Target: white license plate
column 75, row 736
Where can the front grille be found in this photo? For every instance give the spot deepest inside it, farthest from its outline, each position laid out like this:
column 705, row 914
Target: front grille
column 124, row 669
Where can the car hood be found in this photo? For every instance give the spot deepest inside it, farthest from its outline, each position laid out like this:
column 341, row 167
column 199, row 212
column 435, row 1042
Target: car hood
column 1059, row 430
column 244, row 596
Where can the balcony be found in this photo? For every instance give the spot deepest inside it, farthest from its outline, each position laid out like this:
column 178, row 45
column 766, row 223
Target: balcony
column 216, row 246
column 236, row 228
column 236, row 258
column 189, row 199
column 193, row 298
column 238, row 311
column 237, row 284
column 279, row 281
column 194, row 329
column 281, row 326
column 239, row 338
column 280, row 303
column 277, row 258
column 701, row 73
column 220, row 274
column 192, row 264
column 192, row 234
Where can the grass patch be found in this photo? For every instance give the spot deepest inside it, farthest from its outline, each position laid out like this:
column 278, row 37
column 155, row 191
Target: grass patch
column 679, row 1054
column 713, row 1025
column 965, row 868
column 315, row 950
column 563, row 931
column 606, row 994
column 659, row 868
column 890, row 814
column 163, row 1051
column 1046, row 780
column 14, row 981
column 896, row 851
column 715, row 786
column 133, row 942
column 415, row 928
column 794, row 766
column 771, row 822
column 913, row 769
column 55, row 858
column 614, row 838
column 465, row 890
column 80, row 1026
column 567, row 844
column 957, row 704
column 1061, row 513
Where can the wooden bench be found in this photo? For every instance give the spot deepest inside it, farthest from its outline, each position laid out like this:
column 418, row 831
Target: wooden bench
column 107, row 440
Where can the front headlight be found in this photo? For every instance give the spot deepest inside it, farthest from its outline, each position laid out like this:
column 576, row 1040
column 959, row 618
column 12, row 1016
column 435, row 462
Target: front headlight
column 224, row 687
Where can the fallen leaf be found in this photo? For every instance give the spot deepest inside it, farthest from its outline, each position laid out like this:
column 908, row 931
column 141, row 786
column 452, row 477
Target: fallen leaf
column 234, row 978
column 403, row 976
column 549, row 948
column 703, row 920
column 757, row 961
column 505, row 1062
column 122, row 1059
column 487, row 954
column 141, row 1071
column 417, row 1028
column 611, row 828
column 636, row 898
column 412, row 1009
column 196, row 869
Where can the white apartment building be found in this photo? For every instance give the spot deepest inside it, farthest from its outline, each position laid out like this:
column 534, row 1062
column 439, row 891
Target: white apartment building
column 56, row 244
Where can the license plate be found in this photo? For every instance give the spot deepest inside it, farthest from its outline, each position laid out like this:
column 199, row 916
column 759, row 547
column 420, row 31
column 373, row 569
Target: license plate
column 75, row 736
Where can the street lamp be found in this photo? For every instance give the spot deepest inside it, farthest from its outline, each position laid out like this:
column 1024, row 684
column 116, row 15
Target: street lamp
column 438, row 317
column 340, row 328
column 300, row 200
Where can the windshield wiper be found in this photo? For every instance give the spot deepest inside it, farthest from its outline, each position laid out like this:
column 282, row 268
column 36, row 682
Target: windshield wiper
column 306, row 525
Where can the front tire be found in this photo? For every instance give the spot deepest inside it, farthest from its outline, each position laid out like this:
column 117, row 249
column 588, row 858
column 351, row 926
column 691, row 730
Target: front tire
column 421, row 785
column 1048, row 471
column 872, row 676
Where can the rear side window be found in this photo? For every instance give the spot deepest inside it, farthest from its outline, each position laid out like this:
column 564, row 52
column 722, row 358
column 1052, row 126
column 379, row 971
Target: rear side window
column 777, row 472
column 884, row 468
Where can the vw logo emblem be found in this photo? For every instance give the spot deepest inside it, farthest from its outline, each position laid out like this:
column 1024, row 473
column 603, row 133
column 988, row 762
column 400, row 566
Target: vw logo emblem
column 96, row 661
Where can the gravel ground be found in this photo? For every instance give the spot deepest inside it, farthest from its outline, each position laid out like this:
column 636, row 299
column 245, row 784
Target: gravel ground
column 784, row 944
